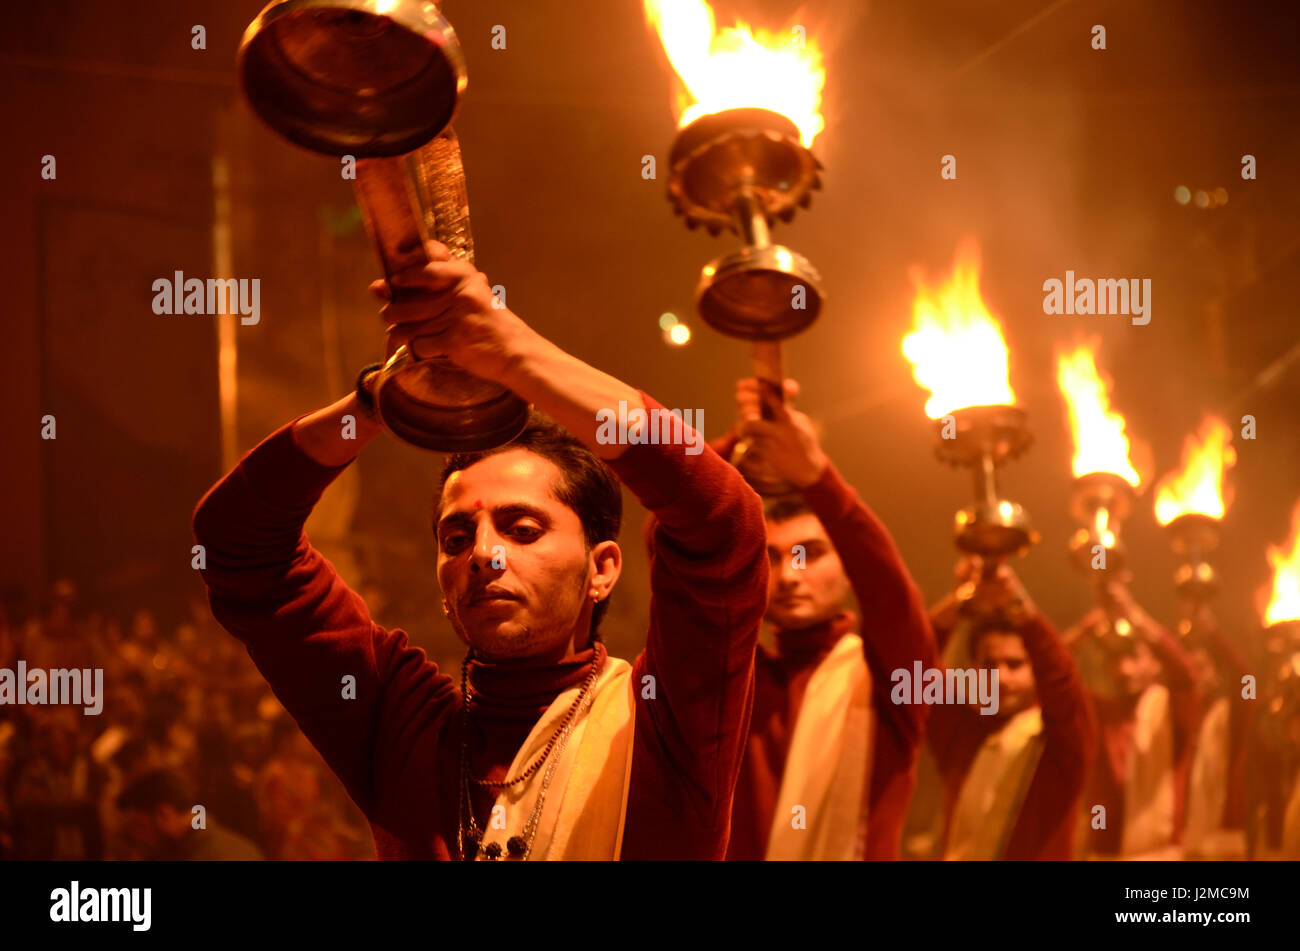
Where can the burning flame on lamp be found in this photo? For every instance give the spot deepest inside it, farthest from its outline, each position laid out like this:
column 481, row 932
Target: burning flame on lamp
column 1284, row 605
column 736, row 68
column 956, row 346
column 1100, row 444
column 1198, row 486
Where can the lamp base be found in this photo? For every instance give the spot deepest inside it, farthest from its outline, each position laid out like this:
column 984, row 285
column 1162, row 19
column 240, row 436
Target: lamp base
column 995, row 530
column 436, row 405
column 759, row 293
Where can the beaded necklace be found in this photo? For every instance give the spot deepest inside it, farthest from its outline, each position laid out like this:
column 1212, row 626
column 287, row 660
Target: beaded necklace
column 518, row 846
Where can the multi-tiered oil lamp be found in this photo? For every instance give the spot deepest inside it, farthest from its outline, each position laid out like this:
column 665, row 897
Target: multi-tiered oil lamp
column 379, row 81
column 1105, row 485
column 1191, row 504
column 958, row 353
column 741, row 160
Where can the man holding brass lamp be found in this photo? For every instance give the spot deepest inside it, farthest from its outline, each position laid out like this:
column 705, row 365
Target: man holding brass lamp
column 1012, row 779
column 547, row 748
column 830, row 763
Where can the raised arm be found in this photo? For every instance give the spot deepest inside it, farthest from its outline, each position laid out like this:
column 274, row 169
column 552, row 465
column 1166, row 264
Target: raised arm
column 1048, row 815
column 1184, row 699
column 895, row 628
column 303, row 627
column 449, row 308
column 708, row 577
column 1067, row 720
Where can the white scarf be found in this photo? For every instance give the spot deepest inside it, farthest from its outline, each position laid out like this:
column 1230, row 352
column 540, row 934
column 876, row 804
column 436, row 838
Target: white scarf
column 1207, row 792
column 994, row 789
column 1149, row 787
column 828, row 766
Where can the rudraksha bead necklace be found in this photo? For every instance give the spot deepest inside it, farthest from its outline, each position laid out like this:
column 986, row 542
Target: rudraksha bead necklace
column 517, row 847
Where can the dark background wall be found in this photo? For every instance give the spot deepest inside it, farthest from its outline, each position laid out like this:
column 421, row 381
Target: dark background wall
column 1067, row 158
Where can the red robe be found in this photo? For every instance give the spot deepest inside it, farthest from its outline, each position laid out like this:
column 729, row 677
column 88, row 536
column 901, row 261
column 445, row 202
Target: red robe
column 895, row 632
column 1044, row 828
column 1115, row 722
column 396, row 747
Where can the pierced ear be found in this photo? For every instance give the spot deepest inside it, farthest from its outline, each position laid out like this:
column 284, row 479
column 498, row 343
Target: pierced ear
column 445, row 609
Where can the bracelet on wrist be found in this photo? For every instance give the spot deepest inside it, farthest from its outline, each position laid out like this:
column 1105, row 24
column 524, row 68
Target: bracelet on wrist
column 365, row 396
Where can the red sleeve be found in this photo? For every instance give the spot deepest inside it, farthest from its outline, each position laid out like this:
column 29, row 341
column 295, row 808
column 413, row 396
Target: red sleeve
column 1184, row 704
column 725, row 444
column 1045, row 825
column 1067, row 719
column 302, row 625
column 895, row 626
column 1183, row 696
column 948, row 735
column 708, row 579
column 1231, row 661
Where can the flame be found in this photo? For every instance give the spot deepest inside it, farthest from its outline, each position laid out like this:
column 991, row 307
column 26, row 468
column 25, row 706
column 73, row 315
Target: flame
column 1099, row 441
column 956, row 345
column 1284, row 605
column 735, row 68
column 1198, row 487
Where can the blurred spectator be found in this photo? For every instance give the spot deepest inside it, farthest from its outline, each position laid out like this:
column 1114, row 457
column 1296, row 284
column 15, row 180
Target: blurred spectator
column 158, row 815
column 182, row 701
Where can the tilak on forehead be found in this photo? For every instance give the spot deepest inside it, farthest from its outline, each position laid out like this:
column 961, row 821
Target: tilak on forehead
column 478, row 503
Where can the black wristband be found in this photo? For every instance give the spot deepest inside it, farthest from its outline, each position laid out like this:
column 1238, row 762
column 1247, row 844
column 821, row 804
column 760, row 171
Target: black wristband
column 364, row 396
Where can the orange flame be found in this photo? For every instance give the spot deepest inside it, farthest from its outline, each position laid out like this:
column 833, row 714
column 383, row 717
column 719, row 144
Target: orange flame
column 956, row 345
column 735, row 68
column 1284, row 605
column 1099, row 441
column 1199, row 486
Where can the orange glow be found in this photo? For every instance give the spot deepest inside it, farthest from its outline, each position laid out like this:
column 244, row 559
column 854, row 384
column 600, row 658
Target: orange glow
column 1199, row 486
column 735, row 68
column 1284, row 605
column 1099, row 441
column 956, row 345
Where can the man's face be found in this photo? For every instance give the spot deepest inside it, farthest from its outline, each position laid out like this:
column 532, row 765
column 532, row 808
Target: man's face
column 1005, row 653
column 1134, row 670
column 513, row 564
column 806, row 585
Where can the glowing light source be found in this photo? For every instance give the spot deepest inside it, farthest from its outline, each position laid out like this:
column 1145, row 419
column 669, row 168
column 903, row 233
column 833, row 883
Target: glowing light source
column 1284, row 604
column 736, row 68
column 1100, row 444
column 956, row 346
column 1198, row 487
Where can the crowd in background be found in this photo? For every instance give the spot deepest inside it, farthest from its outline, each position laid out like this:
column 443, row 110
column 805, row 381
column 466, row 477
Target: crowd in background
column 186, row 722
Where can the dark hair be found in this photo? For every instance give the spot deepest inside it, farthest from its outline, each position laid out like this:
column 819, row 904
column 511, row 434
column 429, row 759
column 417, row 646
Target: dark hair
column 153, row 789
column 786, row 507
column 586, row 484
column 995, row 623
